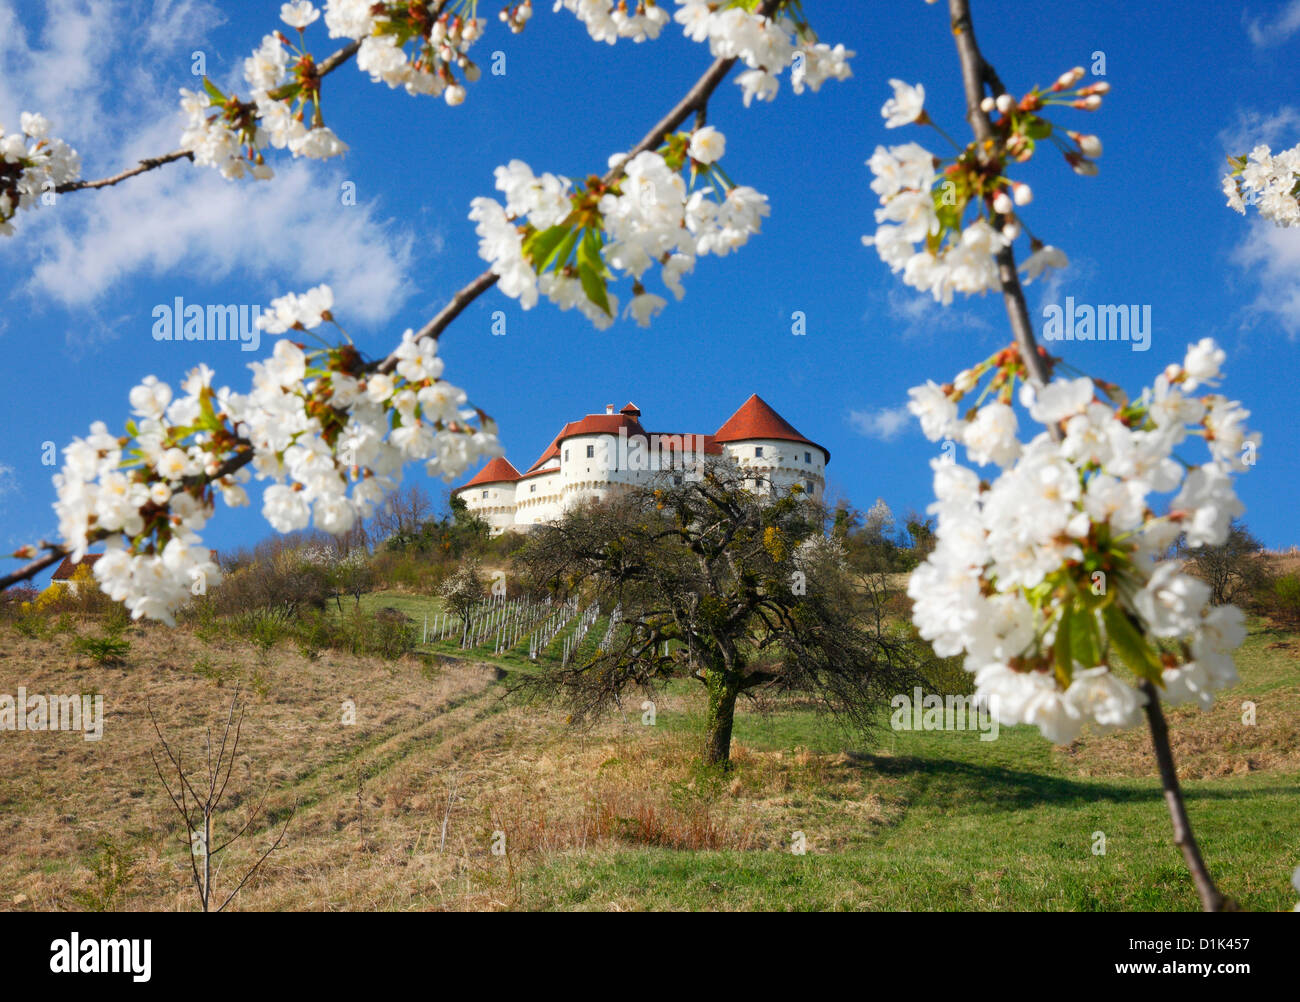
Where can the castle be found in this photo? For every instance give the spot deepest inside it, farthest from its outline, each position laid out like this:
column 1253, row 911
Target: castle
column 602, row 454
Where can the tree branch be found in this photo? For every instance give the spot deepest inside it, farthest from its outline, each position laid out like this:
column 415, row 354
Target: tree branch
column 975, row 73
column 147, row 164
column 1211, row 899
column 331, row 63
column 696, row 100
column 28, row 571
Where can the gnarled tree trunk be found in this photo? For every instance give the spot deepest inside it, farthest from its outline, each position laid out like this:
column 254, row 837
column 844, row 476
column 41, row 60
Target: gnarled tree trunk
column 723, row 687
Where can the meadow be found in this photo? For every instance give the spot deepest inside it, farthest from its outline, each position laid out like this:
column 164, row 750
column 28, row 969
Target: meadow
column 448, row 790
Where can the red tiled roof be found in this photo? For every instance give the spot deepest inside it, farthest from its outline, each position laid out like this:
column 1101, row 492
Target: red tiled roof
column 498, row 471
column 68, row 567
column 592, row 424
column 754, row 420
column 539, row 473
column 757, row 419
column 666, row 443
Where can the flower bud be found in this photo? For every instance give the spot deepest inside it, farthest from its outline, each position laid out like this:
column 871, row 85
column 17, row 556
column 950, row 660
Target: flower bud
column 1082, row 165
column 1089, row 146
column 1002, row 204
column 987, row 105
column 1069, row 78
column 1005, row 103
column 1022, row 193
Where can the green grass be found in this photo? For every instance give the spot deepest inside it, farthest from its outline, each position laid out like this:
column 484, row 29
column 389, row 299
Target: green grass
column 974, row 825
column 967, row 824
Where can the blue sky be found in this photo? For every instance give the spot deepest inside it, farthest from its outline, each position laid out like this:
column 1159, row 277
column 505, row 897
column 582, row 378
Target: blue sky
column 80, row 280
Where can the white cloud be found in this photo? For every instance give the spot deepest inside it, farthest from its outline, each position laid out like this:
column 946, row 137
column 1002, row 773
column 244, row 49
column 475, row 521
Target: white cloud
column 1253, row 127
column 1271, row 256
column 106, row 75
column 189, row 222
column 920, row 315
column 1266, row 34
column 884, row 424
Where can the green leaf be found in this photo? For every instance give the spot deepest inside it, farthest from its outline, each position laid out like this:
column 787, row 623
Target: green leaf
column 591, row 270
column 1038, row 128
column 594, row 286
column 1130, row 644
column 1085, row 639
column 1062, row 650
column 213, row 92
column 541, row 244
column 560, row 256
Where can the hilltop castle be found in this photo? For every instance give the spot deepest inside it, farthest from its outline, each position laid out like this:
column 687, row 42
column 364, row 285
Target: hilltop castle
column 605, row 453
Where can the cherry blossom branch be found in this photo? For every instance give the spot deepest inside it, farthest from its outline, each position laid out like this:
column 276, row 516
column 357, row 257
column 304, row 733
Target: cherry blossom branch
column 147, row 164
column 976, row 73
column 330, row 64
column 56, row 553
column 695, row 101
column 453, row 309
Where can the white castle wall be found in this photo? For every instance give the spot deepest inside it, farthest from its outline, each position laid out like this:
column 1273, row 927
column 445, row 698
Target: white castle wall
column 574, row 476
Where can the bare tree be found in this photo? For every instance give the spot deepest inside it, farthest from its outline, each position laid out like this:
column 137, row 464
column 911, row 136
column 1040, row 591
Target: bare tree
column 1234, row 569
column 403, row 513
column 199, row 810
column 723, row 580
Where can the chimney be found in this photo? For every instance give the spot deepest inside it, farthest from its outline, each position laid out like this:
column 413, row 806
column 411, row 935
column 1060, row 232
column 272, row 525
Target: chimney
column 609, row 408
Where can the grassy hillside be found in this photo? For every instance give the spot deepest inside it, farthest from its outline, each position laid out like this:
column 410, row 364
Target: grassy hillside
column 618, row 816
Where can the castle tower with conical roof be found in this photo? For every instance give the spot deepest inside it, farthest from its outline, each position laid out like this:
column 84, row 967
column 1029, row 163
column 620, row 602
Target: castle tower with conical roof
column 597, row 457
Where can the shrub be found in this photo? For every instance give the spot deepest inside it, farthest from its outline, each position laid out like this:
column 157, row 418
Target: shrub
column 13, row 601
column 409, row 571
column 1281, row 603
column 265, row 628
column 102, row 650
column 31, row 623
column 111, row 871
column 278, row 588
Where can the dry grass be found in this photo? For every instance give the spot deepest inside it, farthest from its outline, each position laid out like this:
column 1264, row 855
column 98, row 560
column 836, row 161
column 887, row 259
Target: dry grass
column 1224, row 740
column 1206, row 744
column 371, row 799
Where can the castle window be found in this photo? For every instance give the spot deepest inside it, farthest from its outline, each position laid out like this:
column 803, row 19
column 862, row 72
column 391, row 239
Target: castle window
column 809, row 484
column 807, row 457
column 758, row 452
column 591, row 452
column 532, row 488
column 566, row 455
column 485, row 494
